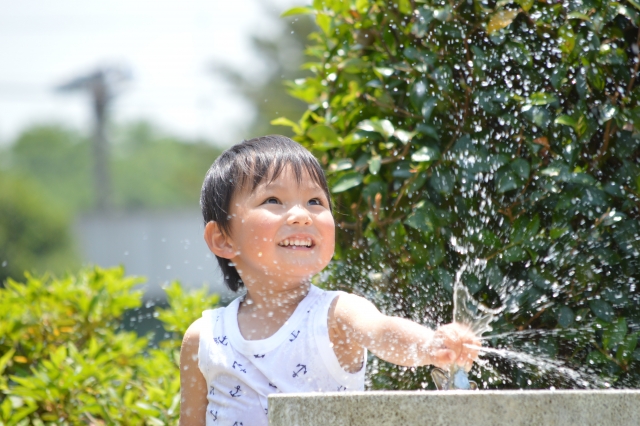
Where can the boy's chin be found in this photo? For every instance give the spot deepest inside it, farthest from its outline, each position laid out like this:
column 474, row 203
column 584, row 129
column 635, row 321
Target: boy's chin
column 298, row 272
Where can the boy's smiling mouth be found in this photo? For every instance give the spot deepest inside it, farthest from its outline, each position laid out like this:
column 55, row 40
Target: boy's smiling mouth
column 295, row 243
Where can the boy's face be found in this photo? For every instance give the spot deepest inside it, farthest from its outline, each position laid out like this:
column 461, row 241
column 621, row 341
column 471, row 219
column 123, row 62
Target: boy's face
column 282, row 231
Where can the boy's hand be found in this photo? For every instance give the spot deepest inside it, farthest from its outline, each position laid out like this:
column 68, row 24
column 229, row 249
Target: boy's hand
column 454, row 344
column 355, row 323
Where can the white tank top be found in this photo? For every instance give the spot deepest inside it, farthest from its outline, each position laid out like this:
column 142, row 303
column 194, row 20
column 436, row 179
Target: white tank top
column 299, row 357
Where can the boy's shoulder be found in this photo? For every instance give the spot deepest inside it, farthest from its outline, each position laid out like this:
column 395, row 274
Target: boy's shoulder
column 193, row 332
column 349, row 299
column 196, row 327
column 349, row 308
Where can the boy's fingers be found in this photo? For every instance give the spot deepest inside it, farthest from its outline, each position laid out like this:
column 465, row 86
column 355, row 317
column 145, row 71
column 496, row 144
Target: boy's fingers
column 444, row 358
column 450, row 356
column 457, row 344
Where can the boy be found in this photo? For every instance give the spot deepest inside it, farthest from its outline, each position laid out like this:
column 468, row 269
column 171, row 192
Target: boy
column 268, row 219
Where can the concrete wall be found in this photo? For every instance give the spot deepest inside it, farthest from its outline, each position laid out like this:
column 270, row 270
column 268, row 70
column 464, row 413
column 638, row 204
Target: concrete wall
column 162, row 246
column 476, row 408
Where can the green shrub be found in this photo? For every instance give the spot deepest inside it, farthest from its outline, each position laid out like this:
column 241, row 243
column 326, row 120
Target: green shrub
column 64, row 358
column 34, row 232
column 183, row 310
column 502, row 131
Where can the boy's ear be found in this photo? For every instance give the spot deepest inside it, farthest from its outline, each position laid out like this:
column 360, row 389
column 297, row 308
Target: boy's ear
column 218, row 243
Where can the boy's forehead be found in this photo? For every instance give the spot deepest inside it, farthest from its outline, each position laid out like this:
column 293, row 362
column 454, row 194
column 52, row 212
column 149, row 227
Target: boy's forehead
column 286, row 179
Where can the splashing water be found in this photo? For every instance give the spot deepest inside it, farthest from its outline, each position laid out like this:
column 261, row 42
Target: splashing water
column 548, row 366
column 468, row 311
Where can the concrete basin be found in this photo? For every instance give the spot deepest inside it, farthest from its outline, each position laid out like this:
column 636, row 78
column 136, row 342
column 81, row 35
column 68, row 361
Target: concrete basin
column 476, row 408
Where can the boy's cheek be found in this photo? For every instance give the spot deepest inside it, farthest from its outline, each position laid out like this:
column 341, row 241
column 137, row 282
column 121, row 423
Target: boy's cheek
column 329, row 224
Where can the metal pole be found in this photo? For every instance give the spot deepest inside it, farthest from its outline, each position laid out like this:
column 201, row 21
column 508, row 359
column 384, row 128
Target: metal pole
column 101, row 175
column 102, row 86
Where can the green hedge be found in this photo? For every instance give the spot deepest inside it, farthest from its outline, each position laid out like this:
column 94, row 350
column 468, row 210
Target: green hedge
column 499, row 131
column 34, row 231
column 66, row 360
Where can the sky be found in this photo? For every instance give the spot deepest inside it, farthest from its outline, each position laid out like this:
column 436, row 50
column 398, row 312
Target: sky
column 169, row 47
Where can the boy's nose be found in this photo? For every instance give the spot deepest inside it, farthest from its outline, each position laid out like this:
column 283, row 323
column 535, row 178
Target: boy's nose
column 299, row 216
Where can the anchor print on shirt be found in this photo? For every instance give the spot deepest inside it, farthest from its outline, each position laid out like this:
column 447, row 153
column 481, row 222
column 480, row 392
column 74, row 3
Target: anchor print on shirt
column 272, row 385
column 342, row 388
column 302, row 369
column 211, row 391
column 237, row 364
column 221, row 340
column 295, row 335
column 258, row 356
column 235, row 394
column 238, row 424
column 214, row 415
column 266, row 411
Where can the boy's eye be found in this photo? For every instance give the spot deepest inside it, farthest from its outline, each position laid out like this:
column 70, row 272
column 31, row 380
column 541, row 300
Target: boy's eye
column 315, row 202
column 271, row 200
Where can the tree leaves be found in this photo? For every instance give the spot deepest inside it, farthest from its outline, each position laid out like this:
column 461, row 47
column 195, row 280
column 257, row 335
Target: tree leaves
column 346, row 182
column 491, row 139
column 602, row 310
column 542, row 98
column 565, row 317
column 521, row 168
column 298, row 11
column 614, row 334
column 507, row 182
column 443, row 180
column 566, row 120
column 426, row 154
column 383, row 127
column 324, row 22
column 525, row 4
column 422, row 219
column 396, row 236
column 421, row 25
column 501, row 19
column 323, row 136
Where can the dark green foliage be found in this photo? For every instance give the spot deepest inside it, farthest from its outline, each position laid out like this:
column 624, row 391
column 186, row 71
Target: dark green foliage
column 504, row 132
column 149, row 169
column 153, row 170
column 65, row 359
column 57, row 158
column 34, row 230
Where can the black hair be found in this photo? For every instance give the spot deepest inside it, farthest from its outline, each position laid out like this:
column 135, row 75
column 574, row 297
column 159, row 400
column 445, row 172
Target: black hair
column 251, row 161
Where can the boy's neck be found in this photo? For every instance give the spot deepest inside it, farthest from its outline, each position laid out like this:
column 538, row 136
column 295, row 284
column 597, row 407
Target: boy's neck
column 274, row 300
column 264, row 311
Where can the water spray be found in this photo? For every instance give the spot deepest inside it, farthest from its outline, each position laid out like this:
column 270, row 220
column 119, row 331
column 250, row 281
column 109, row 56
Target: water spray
column 469, row 312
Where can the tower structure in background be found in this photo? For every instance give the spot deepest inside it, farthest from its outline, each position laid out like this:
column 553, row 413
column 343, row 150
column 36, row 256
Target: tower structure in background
column 102, row 85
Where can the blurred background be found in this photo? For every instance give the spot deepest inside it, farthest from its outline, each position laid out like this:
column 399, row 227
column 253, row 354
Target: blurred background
column 110, row 115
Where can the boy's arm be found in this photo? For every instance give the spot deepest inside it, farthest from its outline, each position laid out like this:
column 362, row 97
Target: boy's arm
column 398, row 340
column 193, row 386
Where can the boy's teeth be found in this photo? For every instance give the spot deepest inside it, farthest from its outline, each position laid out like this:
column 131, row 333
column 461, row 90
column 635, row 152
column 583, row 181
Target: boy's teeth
column 296, row 242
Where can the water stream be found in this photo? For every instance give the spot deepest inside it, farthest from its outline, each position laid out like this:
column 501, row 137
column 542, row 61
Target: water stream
column 530, row 359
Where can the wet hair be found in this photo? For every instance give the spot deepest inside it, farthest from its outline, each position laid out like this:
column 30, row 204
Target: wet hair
column 245, row 166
